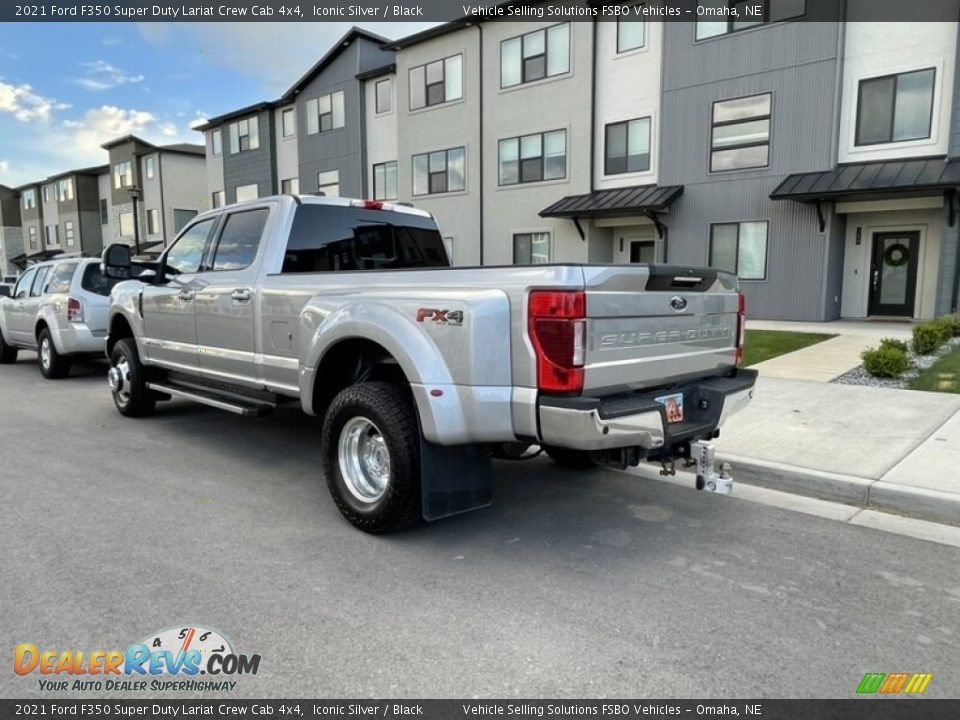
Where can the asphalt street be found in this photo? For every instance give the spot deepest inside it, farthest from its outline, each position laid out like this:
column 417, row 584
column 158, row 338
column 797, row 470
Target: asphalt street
column 573, row 584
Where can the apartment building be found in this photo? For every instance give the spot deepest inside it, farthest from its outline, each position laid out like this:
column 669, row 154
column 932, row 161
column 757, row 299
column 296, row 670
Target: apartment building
column 815, row 158
column 11, row 233
column 311, row 139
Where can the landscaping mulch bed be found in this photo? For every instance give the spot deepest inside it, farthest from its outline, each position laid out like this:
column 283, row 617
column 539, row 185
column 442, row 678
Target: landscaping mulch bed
column 918, row 363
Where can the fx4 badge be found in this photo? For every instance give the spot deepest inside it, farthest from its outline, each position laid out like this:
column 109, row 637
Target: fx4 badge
column 441, row 317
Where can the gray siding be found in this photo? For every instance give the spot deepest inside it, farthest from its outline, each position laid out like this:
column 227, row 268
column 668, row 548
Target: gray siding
column 341, row 149
column 250, row 166
column 798, row 64
column 122, row 153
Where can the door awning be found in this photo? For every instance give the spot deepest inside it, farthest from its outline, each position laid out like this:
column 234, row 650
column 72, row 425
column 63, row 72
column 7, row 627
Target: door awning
column 873, row 180
column 636, row 200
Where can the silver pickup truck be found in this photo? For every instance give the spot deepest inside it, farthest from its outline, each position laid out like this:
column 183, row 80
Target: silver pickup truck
column 421, row 370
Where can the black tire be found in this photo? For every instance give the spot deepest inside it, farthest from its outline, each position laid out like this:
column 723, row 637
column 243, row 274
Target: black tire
column 389, row 409
column 131, row 397
column 8, row 353
column 53, row 365
column 571, row 459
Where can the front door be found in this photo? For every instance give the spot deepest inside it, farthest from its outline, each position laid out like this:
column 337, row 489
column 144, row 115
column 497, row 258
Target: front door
column 893, row 273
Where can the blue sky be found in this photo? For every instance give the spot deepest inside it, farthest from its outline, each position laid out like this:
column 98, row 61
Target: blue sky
column 91, row 82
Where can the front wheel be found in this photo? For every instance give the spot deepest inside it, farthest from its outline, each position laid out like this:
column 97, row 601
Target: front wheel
column 371, row 456
column 53, row 365
column 128, row 382
column 8, row 353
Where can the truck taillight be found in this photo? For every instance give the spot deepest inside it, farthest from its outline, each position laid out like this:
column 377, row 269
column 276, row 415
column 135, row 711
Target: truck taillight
column 558, row 330
column 74, row 310
column 741, row 325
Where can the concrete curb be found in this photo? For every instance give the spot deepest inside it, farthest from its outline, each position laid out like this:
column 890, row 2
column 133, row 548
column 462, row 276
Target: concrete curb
column 849, row 489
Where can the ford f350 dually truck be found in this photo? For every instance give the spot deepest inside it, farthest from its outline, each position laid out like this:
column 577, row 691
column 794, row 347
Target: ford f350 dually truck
column 420, row 369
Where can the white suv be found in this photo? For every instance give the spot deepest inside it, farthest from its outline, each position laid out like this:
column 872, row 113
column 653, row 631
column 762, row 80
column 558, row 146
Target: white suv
column 58, row 308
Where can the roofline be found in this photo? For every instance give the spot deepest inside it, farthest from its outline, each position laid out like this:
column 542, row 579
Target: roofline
column 345, row 41
column 377, row 72
column 220, row 119
column 890, row 190
column 201, row 150
column 126, row 138
column 431, row 33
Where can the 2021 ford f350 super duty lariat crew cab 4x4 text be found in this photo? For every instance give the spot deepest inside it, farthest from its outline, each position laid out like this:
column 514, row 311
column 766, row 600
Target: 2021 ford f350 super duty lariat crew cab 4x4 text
column 420, row 369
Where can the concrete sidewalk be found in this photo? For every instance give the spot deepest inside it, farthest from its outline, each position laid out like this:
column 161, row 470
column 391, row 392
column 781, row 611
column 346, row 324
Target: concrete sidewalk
column 896, row 450
column 826, row 360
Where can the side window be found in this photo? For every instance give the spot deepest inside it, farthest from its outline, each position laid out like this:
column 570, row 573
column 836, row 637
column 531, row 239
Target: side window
column 240, row 239
column 23, row 284
column 186, row 254
column 94, row 281
column 61, row 278
column 38, row 281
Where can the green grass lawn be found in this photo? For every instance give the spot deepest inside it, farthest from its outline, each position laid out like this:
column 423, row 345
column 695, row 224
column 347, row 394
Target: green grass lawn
column 762, row 345
column 944, row 376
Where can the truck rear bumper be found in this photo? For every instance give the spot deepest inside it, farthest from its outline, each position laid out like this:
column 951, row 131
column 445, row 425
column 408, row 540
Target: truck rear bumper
column 637, row 420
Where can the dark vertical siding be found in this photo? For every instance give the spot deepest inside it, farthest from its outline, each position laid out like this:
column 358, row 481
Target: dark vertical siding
column 798, row 64
column 250, row 166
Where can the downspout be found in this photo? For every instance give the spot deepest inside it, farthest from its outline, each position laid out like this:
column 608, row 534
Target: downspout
column 480, row 40
column 163, row 205
column 593, row 105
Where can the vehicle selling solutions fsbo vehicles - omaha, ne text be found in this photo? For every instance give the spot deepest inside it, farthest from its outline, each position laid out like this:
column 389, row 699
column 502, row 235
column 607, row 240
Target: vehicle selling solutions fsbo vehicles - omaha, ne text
column 351, row 308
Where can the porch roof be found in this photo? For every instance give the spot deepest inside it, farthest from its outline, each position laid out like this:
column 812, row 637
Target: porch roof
column 636, row 200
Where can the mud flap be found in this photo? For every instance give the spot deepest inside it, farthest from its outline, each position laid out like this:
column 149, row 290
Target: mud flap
column 454, row 479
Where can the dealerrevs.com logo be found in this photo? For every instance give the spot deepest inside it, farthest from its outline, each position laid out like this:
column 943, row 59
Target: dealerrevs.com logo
column 171, row 659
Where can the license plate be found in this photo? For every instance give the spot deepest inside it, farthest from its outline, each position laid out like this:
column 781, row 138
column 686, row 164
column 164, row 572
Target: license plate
column 674, row 406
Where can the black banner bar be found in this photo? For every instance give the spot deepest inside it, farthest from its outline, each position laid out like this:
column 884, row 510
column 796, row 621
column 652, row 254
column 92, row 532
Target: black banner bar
column 445, row 10
column 854, row 709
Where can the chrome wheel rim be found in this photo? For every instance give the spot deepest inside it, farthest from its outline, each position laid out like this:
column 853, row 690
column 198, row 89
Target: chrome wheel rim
column 119, row 380
column 45, row 353
column 364, row 460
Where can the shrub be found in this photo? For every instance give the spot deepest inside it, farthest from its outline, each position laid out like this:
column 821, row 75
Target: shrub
column 887, row 362
column 945, row 327
column 953, row 321
column 929, row 336
column 894, row 343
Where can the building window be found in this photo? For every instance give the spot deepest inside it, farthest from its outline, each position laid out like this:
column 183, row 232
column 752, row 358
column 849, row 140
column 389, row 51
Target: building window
column 385, row 181
column 216, row 142
column 181, row 218
column 534, row 56
column 643, row 251
column 627, row 147
column 290, row 186
column 740, row 136
column 449, row 244
column 218, row 199
column 288, row 120
column 895, row 108
column 244, row 135
column 47, row 193
column 65, row 190
column 384, row 95
column 148, row 167
column 439, row 172
column 123, row 174
column 52, row 235
column 325, row 113
column 29, row 199
column 750, row 13
column 532, row 158
column 104, row 213
column 68, row 236
column 740, row 248
column 247, row 192
column 631, row 35
column 328, row 182
column 531, row 248
column 153, row 221
column 126, row 224
column 436, row 83
column 32, row 235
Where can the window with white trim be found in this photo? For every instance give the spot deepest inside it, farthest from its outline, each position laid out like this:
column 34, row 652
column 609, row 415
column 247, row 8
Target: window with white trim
column 531, row 248
column 895, row 108
column 627, row 146
column 290, row 186
column 740, row 133
column 537, row 55
column 325, row 113
column 532, row 158
column 385, row 181
column 436, row 83
column 247, row 192
column 749, row 13
column 216, row 142
column 29, row 199
column 440, row 171
column 245, row 135
column 288, row 121
column 383, row 92
column 631, row 35
column 68, row 233
column 153, row 221
column 148, row 168
column 123, row 174
column 328, row 182
column 218, row 199
column 65, row 189
column 740, row 248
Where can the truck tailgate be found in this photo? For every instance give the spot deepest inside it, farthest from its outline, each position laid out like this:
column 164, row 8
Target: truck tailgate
column 649, row 325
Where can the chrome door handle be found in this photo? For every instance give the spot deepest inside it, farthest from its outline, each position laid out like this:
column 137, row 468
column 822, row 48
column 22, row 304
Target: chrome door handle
column 186, row 295
column 240, row 295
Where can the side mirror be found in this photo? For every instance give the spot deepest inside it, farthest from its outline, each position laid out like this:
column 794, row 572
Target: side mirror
column 115, row 263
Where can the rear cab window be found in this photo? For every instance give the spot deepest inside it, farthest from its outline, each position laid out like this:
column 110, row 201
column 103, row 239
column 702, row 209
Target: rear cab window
column 326, row 238
column 60, row 280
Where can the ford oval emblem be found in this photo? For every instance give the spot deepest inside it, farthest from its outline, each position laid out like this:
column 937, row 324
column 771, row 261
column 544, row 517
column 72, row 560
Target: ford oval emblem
column 678, row 303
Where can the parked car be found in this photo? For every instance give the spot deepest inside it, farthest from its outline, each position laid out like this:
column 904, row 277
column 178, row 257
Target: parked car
column 58, row 308
column 419, row 369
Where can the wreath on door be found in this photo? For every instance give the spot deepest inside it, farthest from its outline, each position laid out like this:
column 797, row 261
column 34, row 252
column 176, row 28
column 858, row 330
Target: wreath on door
column 896, row 255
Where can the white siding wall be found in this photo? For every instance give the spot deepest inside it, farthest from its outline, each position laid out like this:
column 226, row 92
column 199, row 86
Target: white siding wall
column 105, row 189
column 288, row 163
column 184, row 187
column 381, row 129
